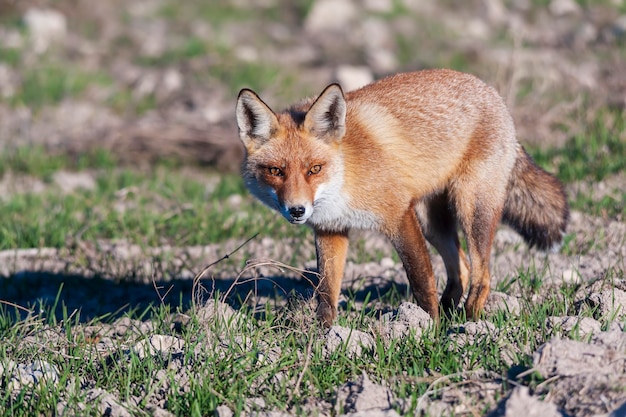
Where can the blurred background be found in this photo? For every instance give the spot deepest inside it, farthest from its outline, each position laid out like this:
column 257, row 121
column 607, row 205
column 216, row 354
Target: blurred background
column 119, row 154
column 154, row 80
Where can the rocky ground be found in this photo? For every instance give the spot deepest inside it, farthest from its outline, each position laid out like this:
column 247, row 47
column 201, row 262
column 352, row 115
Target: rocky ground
column 153, row 79
column 584, row 376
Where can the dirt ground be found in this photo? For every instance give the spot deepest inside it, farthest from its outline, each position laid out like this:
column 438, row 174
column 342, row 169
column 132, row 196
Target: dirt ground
column 583, row 378
column 557, row 66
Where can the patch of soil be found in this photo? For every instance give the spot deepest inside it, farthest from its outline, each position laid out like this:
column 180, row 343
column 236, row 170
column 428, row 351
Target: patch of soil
column 581, row 378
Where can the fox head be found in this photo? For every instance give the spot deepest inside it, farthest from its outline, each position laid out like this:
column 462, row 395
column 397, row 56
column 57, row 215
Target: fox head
column 292, row 161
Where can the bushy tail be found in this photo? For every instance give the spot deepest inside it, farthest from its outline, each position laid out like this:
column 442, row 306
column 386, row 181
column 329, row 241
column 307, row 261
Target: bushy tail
column 536, row 205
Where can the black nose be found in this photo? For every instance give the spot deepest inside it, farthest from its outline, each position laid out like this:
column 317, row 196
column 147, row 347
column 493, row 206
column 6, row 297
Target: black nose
column 297, row 211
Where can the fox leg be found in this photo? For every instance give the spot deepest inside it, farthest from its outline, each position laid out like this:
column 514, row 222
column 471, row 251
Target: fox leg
column 440, row 229
column 479, row 222
column 410, row 244
column 332, row 249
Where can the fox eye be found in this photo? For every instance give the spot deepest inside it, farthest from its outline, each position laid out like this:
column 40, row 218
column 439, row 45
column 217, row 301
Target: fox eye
column 275, row 171
column 315, row 169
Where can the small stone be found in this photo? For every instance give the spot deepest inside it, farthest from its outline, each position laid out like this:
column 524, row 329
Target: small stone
column 172, row 81
column 33, row 374
column 609, row 304
column 583, row 326
column 382, row 60
column 467, row 333
column 329, row 15
column 570, row 357
column 571, row 276
column 46, row 26
column 413, row 315
column 223, row 411
column 125, row 325
column 521, row 403
column 255, row 403
column 474, row 328
column 363, row 395
column 234, row 200
column 352, row 77
column 614, row 337
column 160, row 412
column 159, row 345
column 72, row 181
column 560, row 8
column 379, row 6
column 353, row 340
column 214, row 311
column 387, row 263
column 109, row 405
column 408, row 318
column 501, row 301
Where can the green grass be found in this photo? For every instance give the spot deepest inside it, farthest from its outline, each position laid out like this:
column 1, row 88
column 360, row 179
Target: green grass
column 220, row 62
column 227, row 363
column 36, row 161
column 232, row 72
column 255, row 75
column 191, row 48
column 221, row 12
column 148, row 208
column 124, row 102
column 51, row 83
column 216, row 12
column 162, row 205
column 224, row 363
column 592, row 156
column 10, row 56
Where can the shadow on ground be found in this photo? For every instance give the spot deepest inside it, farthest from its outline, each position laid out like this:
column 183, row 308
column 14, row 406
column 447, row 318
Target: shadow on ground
column 87, row 298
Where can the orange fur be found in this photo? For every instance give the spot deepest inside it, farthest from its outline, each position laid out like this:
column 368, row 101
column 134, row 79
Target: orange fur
column 413, row 156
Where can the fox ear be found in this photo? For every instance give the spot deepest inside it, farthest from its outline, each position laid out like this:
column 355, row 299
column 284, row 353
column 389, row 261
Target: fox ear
column 327, row 116
column 256, row 121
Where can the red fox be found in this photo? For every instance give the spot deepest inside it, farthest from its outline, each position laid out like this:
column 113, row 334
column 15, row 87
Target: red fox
column 413, row 156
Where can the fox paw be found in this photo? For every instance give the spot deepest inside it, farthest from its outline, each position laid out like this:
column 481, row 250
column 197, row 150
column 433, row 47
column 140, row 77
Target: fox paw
column 326, row 314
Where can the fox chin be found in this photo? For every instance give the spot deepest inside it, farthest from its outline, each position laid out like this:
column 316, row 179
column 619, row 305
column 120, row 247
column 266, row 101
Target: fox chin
column 415, row 156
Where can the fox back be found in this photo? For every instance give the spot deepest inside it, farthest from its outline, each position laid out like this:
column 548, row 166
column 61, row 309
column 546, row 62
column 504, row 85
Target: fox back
column 353, row 162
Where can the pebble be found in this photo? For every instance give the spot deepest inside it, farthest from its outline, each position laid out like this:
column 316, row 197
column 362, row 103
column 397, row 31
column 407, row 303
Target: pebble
column 46, row 27
column 31, row 374
column 158, row 344
column 354, row 341
column 329, row 15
